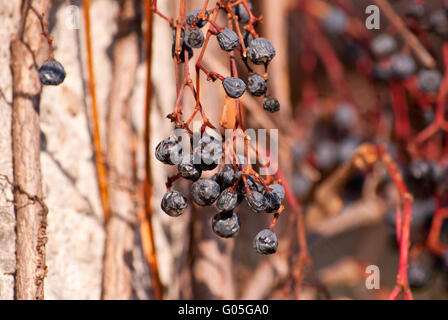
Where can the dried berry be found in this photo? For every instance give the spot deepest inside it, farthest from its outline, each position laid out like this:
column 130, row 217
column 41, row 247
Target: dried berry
column 205, row 191
column 227, row 200
column 420, row 178
column 335, row 21
column 271, row 104
column 344, row 117
column 228, row 39
column 416, row 10
column 402, row 66
column 418, row 276
column 256, row 201
column 273, row 202
column 51, row 73
column 191, row 17
column 383, row 45
column 209, row 153
column 260, row 51
column 300, row 184
column 241, row 12
column 429, row 80
column 256, row 85
column 326, row 154
column 382, row 71
column 439, row 23
column 347, row 148
column 194, row 38
column 226, row 224
column 265, row 242
column 174, row 203
column 234, row 87
column 226, row 176
column 188, row 169
column 169, row 151
column 279, row 190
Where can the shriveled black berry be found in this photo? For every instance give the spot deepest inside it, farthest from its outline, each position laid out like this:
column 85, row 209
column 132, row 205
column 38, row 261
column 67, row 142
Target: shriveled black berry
column 344, row 116
column 265, row 242
column 182, row 53
column 191, row 17
column 256, row 201
column 188, row 169
column 194, row 38
column 326, row 154
column 402, row 66
column 271, row 104
column 260, row 51
column 335, row 22
column 226, row 176
column 205, row 191
column 228, row 39
column 209, row 152
column 241, row 12
column 416, row 10
column 300, row 184
column 429, row 80
column 256, row 85
column 251, row 183
column 51, row 73
column 273, row 202
column 234, row 87
column 174, row 203
column 226, row 224
column 420, row 178
column 439, row 23
column 347, row 147
column 278, row 190
column 418, row 276
column 227, row 200
column 169, row 151
column 383, row 45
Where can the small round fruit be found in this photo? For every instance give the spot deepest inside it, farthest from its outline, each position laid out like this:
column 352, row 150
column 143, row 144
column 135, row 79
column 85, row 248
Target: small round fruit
column 169, row 151
column 234, row 87
column 260, row 51
column 279, row 190
column 429, row 80
column 402, row 66
column 335, row 22
column 228, row 39
column 188, row 169
column 194, row 38
column 256, row 201
column 418, row 276
column 265, row 242
column 227, row 200
column 256, row 85
column 383, row 45
column 226, row 176
column 241, row 12
column 273, row 202
column 51, row 73
column 205, row 191
column 174, row 203
column 191, row 17
column 271, row 104
column 209, row 153
column 226, row 224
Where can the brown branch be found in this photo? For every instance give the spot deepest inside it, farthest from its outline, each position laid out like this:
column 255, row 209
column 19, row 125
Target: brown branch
column 146, row 229
column 117, row 269
column 420, row 51
column 31, row 217
column 99, row 162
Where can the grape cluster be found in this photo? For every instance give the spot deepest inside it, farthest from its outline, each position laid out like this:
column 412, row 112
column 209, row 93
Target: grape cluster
column 226, row 189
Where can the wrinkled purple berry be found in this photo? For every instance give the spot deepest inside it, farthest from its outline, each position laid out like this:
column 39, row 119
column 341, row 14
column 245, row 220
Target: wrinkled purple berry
column 174, row 203
column 227, row 200
column 256, row 85
column 265, row 242
column 260, row 51
column 228, row 39
column 169, row 151
column 205, row 191
column 226, row 224
column 271, row 104
column 51, row 73
column 194, row 38
column 234, row 87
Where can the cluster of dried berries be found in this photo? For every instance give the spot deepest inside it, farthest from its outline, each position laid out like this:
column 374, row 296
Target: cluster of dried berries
column 231, row 182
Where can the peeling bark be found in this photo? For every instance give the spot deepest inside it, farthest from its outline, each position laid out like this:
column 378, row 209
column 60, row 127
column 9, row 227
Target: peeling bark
column 31, row 213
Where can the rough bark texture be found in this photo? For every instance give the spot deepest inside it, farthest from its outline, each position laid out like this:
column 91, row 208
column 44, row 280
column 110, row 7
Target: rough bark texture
column 9, row 16
column 120, row 227
column 31, row 214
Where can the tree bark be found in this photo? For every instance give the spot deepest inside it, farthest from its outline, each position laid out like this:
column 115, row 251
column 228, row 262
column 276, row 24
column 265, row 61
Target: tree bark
column 117, row 283
column 31, row 212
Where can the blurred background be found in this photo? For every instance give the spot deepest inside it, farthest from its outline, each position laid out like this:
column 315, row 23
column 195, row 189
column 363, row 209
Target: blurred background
column 338, row 90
